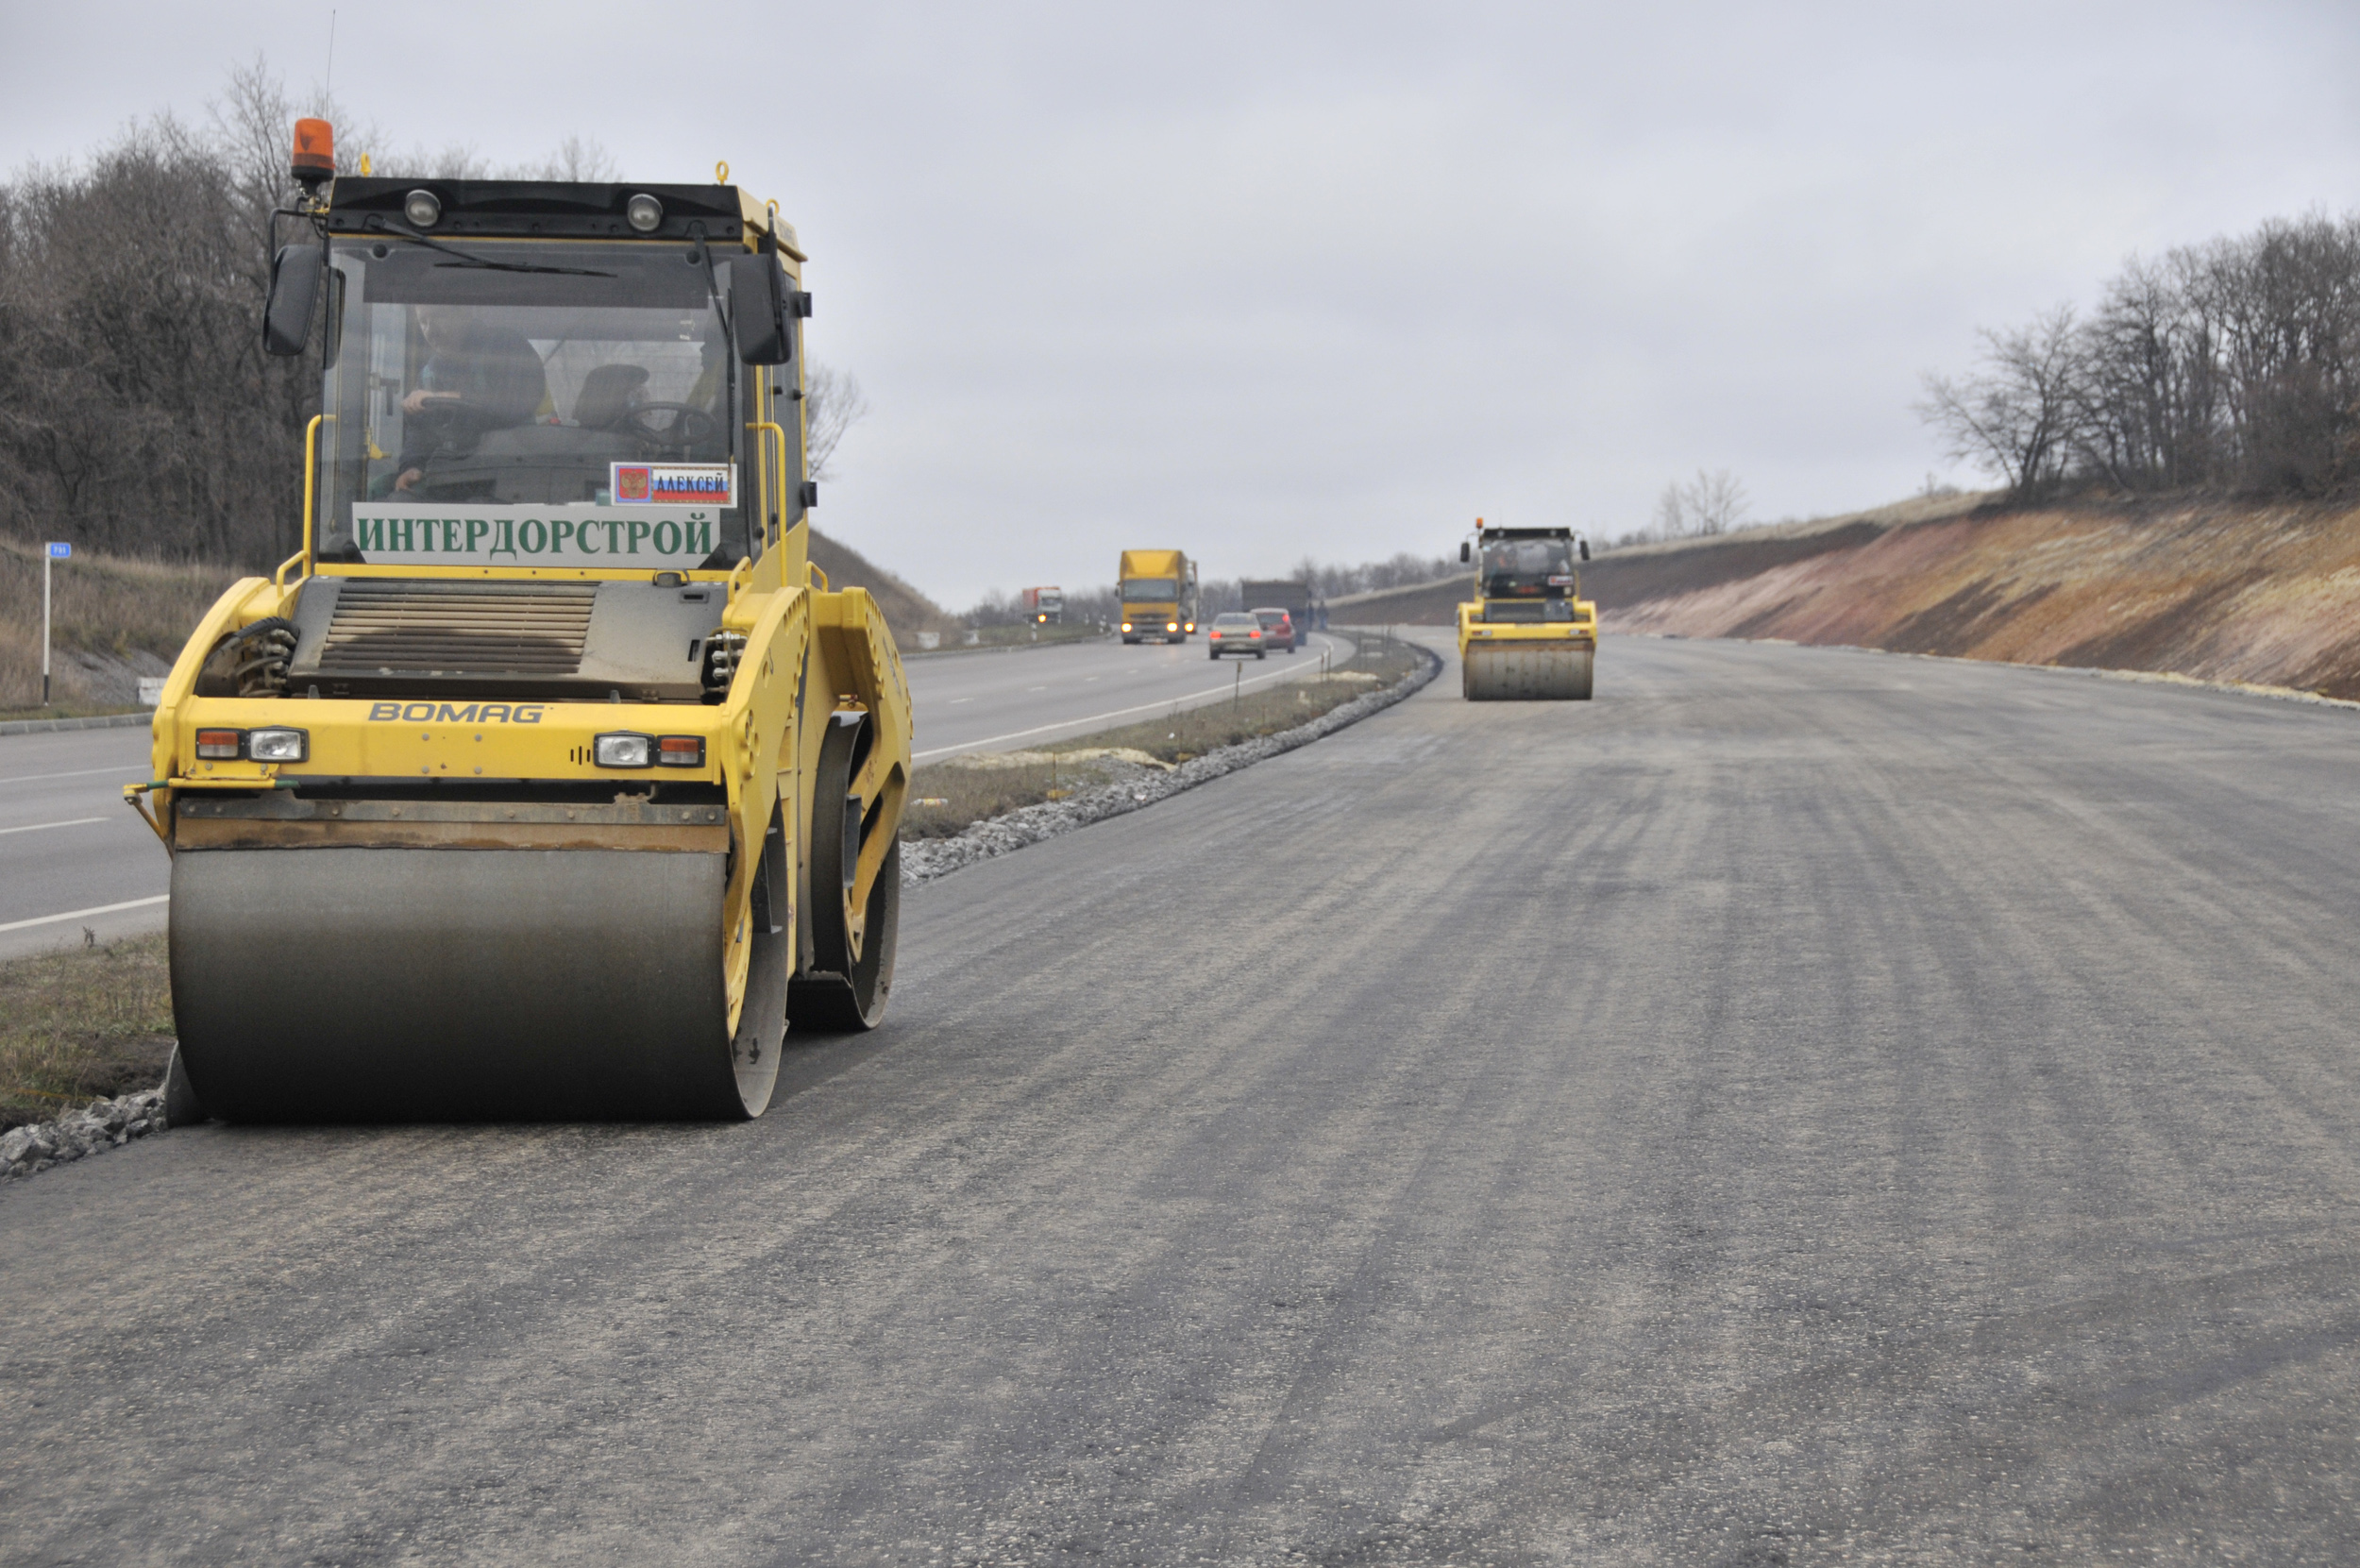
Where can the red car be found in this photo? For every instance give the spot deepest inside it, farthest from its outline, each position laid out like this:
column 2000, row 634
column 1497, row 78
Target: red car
column 1278, row 629
column 1237, row 632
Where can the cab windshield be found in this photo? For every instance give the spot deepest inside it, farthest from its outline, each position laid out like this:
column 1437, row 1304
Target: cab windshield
column 531, row 403
column 1151, row 590
column 1527, row 568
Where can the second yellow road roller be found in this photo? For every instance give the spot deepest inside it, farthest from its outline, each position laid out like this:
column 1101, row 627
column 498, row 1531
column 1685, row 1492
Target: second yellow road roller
column 1527, row 632
column 548, row 778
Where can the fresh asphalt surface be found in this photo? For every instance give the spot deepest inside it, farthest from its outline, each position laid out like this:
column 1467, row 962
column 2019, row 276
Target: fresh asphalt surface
column 69, row 845
column 1802, row 1105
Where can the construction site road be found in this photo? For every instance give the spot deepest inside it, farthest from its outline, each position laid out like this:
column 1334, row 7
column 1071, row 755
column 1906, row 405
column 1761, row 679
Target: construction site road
column 1803, row 1106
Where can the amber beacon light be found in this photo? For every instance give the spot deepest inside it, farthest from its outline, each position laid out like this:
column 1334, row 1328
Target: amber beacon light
column 314, row 152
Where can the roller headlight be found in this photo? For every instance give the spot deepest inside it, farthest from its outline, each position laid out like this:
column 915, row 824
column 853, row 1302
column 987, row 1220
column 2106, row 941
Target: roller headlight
column 278, row 744
column 644, row 212
column 423, row 208
column 623, row 749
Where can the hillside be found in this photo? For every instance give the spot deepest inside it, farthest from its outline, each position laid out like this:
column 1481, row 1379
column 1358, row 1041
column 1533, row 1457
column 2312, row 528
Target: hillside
column 906, row 610
column 1420, row 604
column 2213, row 589
column 115, row 618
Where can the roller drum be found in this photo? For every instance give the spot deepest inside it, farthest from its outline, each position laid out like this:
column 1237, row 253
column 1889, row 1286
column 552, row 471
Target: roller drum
column 350, row 984
column 1526, row 671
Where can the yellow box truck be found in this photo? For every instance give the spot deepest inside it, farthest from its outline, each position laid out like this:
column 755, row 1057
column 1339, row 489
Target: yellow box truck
column 1158, row 590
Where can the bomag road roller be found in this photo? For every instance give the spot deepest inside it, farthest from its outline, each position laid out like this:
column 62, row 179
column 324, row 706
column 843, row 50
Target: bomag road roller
column 549, row 778
column 1527, row 632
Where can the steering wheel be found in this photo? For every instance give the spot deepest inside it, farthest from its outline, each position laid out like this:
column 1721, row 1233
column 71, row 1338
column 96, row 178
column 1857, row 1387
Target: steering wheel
column 689, row 426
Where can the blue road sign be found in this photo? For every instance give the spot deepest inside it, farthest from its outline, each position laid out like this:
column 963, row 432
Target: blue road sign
column 60, row 552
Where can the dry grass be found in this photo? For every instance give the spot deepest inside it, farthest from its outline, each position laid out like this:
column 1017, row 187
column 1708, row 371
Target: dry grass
column 107, row 605
column 82, row 1022
column 948, row 797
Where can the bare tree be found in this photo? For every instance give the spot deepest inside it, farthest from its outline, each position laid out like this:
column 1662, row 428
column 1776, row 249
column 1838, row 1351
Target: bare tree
column 577, row 158
column 832, row 404
column 1713, row 502
column 1716, row 502
column 1671, row 514
column 2018, row 416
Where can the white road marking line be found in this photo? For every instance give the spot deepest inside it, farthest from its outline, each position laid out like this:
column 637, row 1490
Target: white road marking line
column 132, row 773
column 956, row 701
column 80, row 914
column 1069, row 723
column 36, row 827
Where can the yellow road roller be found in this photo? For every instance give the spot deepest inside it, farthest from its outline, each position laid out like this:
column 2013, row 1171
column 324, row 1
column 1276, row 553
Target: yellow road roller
column 1528, row 633
column 549, row 778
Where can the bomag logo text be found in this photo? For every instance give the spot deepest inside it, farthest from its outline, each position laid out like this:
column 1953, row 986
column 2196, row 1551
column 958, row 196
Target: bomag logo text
column 453, row 712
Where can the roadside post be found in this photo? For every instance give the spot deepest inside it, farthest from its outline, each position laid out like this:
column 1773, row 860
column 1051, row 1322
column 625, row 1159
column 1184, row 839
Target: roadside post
column 58, row 551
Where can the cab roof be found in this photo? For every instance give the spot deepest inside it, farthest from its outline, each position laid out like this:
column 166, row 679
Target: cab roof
column 554, row 209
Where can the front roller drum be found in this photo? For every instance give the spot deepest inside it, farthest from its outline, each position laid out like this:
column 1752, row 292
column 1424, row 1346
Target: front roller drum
column 348, row 983
column 1528, row 672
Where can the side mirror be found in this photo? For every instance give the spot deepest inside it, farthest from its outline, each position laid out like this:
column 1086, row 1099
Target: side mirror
column 294, row 289
column 1466, row 552
column 758, row 310
column 1583, row 544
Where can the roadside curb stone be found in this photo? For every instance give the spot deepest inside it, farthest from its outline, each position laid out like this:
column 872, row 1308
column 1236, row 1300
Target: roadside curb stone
column 930, row 859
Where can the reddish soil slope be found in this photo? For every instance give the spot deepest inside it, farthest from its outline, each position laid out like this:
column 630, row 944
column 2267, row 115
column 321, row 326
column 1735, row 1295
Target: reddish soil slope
column 2216, row 590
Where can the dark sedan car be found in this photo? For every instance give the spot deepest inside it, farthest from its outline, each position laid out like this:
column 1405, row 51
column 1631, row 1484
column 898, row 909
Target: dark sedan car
column 1278, row 629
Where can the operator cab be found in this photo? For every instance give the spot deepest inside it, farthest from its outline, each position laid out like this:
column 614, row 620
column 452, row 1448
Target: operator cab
column 1530, row 574
column 550, row 374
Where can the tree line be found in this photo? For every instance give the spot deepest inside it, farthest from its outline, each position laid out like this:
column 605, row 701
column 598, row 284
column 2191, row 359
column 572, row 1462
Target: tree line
column 137, row 411
column 2231, row 365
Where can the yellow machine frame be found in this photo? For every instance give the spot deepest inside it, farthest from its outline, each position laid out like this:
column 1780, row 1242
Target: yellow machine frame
column 1518, row 659
column 810, row 654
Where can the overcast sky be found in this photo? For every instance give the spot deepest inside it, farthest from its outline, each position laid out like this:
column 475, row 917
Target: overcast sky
column 1265, row 281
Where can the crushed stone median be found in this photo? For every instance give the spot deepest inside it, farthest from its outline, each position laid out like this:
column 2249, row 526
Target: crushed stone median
column 101, row 1125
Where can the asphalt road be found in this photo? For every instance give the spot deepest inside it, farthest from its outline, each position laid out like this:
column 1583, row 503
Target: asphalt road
column 69, row 846
column 1027, row 697
column 68, row 842
column 1801, row 1106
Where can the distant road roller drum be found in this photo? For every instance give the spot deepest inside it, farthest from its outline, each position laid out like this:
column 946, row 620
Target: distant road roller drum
column 548, row 780
column 1514, row 671
column 1527, row 635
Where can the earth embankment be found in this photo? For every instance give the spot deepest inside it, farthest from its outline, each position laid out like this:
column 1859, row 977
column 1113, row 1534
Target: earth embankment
column 2216, row 590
